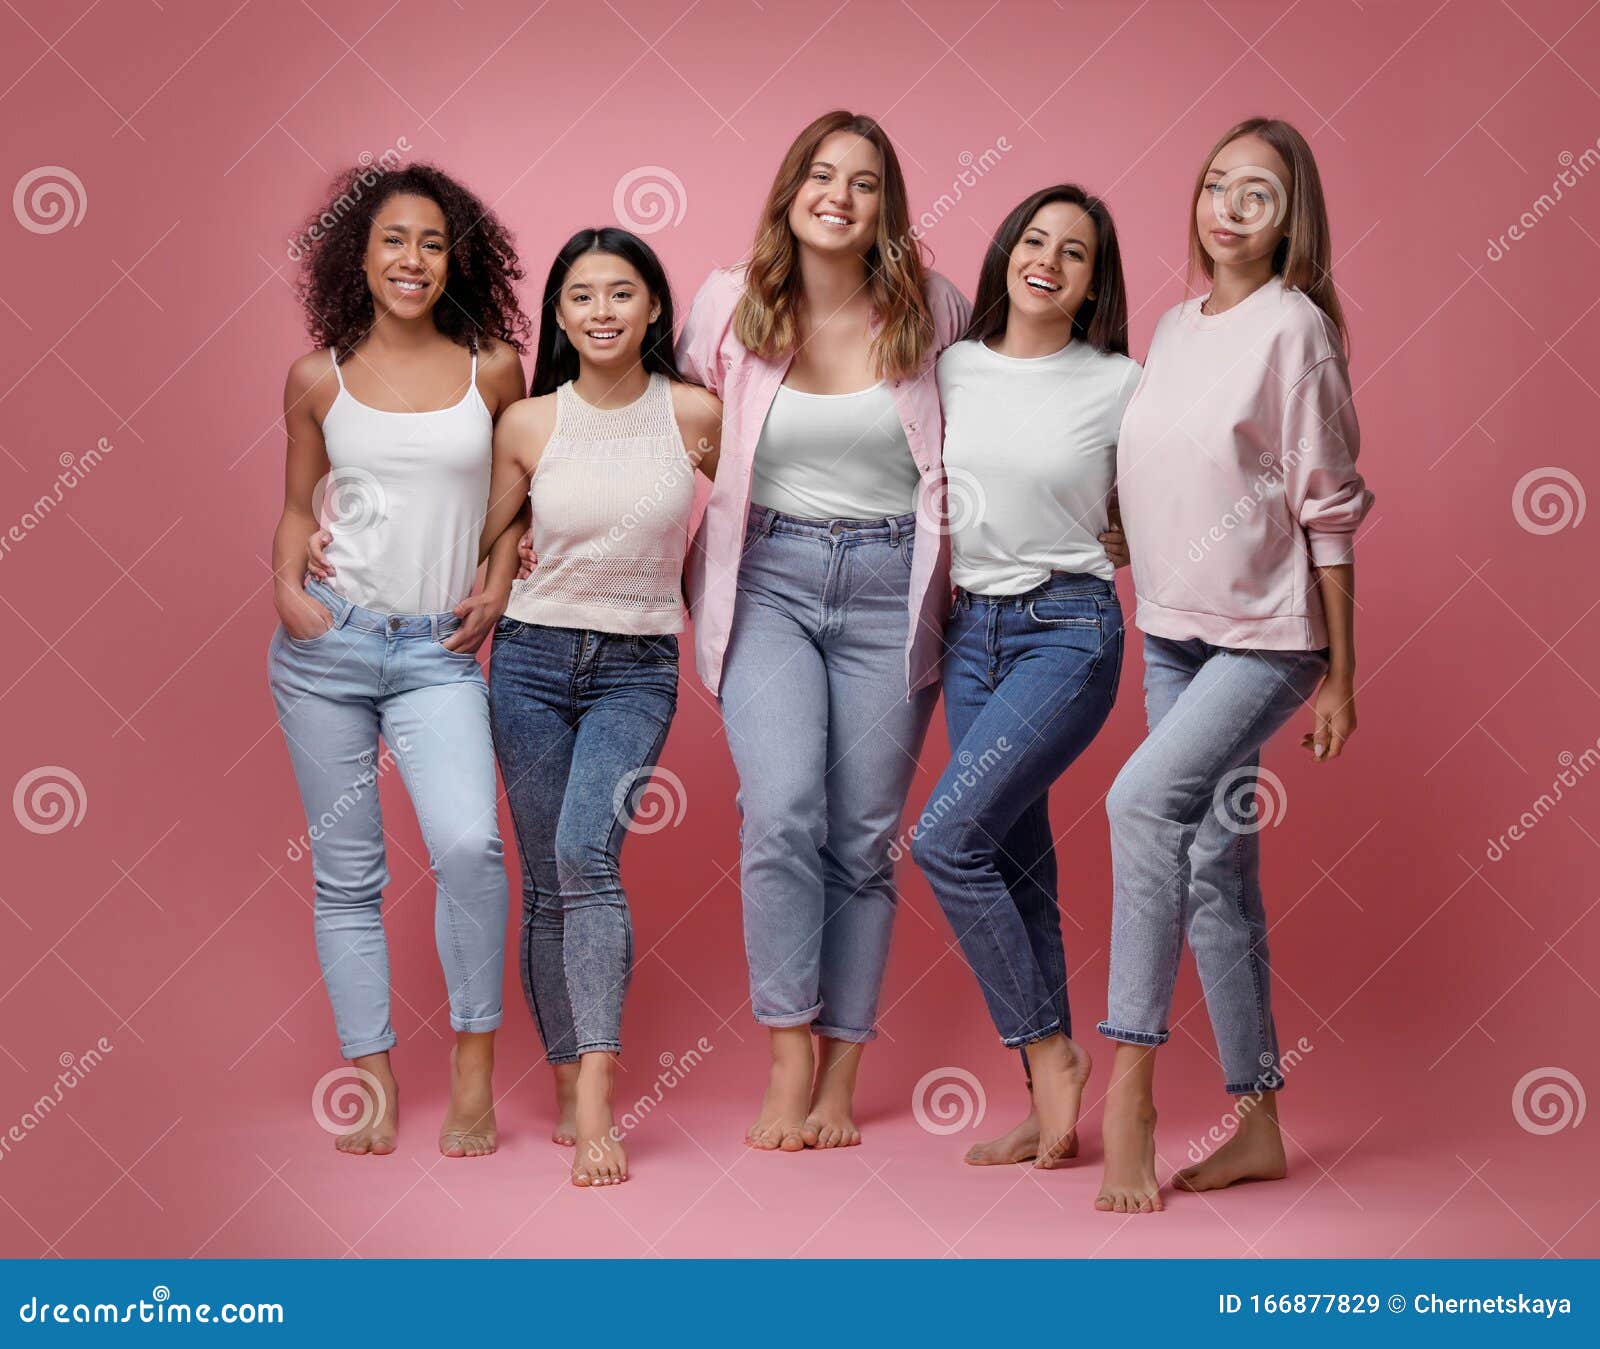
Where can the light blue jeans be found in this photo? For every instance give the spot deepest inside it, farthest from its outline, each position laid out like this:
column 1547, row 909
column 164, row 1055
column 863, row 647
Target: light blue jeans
column 825, row 742
column 1186, row 814
column 387, row 675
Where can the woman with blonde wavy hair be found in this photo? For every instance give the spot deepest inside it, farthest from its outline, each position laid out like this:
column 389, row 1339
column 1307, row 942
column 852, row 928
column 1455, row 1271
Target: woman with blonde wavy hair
column 819, row 587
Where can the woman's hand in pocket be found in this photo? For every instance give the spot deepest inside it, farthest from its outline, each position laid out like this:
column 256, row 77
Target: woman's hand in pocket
column 303, row 618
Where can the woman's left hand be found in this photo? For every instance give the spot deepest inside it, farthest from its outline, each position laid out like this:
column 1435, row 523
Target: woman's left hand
column 1115, row 542
column 1334, row 718
column 478, row 614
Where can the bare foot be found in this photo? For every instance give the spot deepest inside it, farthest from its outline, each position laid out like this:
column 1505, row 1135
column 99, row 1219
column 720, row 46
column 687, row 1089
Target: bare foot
column 1060, row 1069
column 831, row 1120
column 1129, row 1184
column 380, row 1116
column 600, row 1158
column 566, row 1130
column 1255, row 1152
column 1020, row 1144
column 468, row 1129
column 783, row 1108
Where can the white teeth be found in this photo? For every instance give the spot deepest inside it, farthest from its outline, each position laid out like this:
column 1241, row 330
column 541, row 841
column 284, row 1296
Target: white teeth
column 832, row 219
column 605, row 333
column 409, row 285
column 1039, row 283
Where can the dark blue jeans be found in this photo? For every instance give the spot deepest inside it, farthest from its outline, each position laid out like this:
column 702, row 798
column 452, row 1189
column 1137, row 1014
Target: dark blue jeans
column 1028, row 681
column 578, row 718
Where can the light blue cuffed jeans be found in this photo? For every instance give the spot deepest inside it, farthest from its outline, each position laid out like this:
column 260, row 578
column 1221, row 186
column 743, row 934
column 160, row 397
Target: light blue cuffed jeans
column 825, row 742
column 375, row 675
column 1185, row 857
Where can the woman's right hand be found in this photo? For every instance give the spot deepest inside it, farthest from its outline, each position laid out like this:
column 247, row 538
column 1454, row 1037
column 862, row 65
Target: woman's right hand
column 526, row 555
column 317, row 555
column 303, row 618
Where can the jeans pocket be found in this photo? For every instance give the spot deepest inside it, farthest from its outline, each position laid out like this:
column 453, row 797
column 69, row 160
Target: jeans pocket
column 655, row 650
column 1065, row 611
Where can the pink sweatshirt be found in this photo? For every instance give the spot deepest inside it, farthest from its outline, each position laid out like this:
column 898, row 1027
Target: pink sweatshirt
column 709, row 352
column 1236, row 472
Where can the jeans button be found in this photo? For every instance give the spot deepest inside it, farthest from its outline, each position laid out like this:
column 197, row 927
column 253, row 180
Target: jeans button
column 394, row 625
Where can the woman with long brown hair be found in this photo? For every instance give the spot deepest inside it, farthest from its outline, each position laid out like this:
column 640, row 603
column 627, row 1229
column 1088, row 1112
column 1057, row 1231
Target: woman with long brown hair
column 819, row 587
column 1247, row 611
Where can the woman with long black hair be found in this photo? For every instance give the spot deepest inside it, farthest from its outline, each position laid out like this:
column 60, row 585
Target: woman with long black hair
column 584, row 675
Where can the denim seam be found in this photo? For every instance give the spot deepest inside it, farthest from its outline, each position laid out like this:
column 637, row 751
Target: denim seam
column 1250, row 951
column 1134, row 1037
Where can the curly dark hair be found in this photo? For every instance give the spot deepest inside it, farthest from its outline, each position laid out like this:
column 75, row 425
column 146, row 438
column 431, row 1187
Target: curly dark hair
column 479, row 299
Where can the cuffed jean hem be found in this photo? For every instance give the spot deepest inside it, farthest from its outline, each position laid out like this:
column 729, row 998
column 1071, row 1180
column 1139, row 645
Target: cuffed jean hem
column 601, row 1047
column 786, row 1020
column 849, row 1037
column 475, row 1025
column 1029, row 1037
column 561, row 1060
column 1133, row 1037
column 1256, row 1088
column 382, row 1045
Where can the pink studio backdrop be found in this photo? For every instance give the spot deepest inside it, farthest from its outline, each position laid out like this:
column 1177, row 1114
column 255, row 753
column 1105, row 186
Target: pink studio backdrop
column 1437, row 988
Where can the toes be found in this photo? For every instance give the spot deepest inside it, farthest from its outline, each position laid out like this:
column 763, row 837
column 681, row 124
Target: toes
column 811, row 1135
column 792, row 1141
column 1103, row 1202
column 382, row 1147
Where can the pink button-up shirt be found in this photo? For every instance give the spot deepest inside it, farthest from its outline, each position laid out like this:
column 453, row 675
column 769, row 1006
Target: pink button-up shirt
column 709, row 352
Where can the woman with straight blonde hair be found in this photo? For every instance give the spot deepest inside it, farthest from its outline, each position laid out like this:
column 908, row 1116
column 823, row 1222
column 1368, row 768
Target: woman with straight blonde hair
column 819, row 587
column 1247, row 613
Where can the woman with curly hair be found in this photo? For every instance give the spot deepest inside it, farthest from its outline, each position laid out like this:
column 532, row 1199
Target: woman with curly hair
column 407, row 290
column 819, row 588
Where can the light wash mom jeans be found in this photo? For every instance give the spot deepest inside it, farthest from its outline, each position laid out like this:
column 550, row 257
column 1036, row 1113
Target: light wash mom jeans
column 825, row 742
column 387, row 675
column 1186, row 853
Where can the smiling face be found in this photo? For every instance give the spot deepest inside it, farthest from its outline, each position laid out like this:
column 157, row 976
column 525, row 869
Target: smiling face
column 836, row 209
column 1242, row 213
column 1051, row 270
column 408, row 255
column 605, row 309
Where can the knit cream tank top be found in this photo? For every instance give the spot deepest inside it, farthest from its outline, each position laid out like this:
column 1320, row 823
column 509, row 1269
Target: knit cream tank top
column 612, row 497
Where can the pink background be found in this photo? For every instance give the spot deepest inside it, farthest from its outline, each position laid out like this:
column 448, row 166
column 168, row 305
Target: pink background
column 169, row 920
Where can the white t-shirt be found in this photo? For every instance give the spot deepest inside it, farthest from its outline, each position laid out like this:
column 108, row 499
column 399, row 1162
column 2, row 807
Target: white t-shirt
column 1030, row 456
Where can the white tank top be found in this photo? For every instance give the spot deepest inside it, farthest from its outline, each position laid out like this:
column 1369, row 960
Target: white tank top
column 405, row 500
column 611, row 497
column 827, row 456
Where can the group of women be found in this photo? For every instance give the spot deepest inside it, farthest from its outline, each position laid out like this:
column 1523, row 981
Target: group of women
column 908, row 493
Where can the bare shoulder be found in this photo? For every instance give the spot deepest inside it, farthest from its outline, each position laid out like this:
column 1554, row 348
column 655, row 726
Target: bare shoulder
column 312, row 384
column 696, row 409
column 530, row 417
